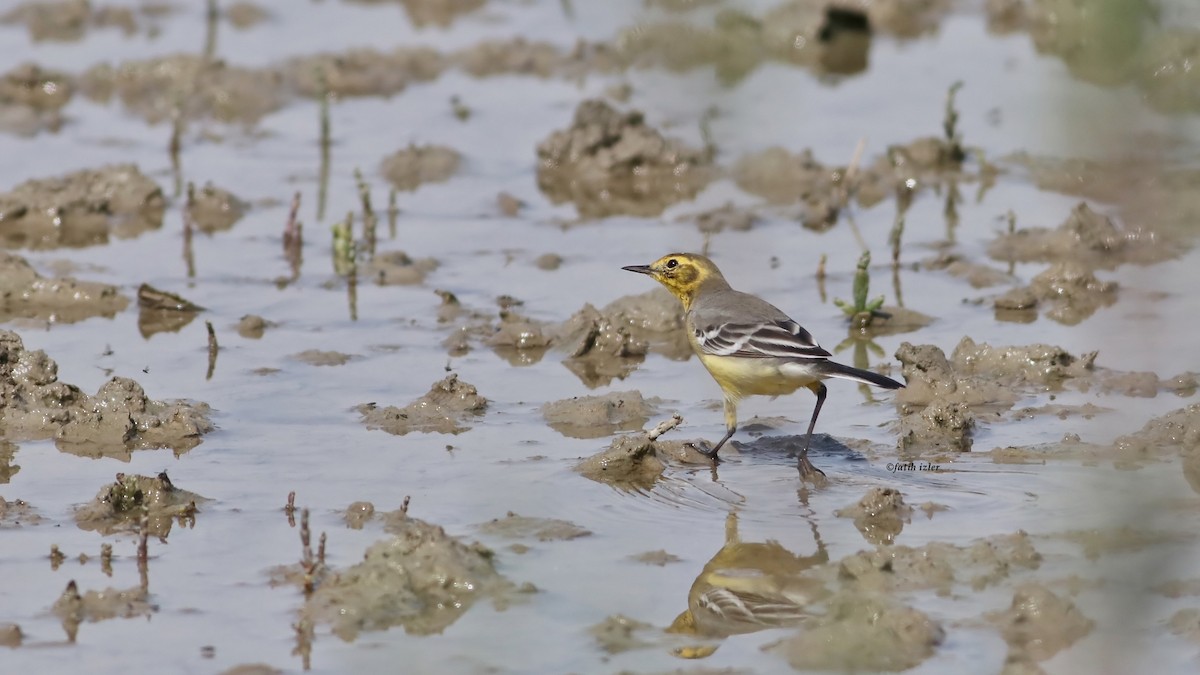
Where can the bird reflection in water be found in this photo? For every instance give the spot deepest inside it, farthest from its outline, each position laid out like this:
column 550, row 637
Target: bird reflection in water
column 748, row 587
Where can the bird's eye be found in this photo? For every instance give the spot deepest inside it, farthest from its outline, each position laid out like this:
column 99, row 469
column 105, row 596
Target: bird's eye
column 672, row 264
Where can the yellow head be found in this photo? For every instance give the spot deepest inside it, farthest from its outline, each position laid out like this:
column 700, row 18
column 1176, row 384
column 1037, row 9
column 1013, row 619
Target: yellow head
column 684, row 274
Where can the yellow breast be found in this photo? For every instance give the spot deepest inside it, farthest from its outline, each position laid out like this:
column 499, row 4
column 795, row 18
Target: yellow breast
column 752, row 377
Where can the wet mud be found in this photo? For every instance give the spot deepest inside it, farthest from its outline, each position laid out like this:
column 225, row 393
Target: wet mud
column 420, row 579
column 118, row 420
column 84, row 208
column 447, row 408
column 1029, row 439
column 609, row 163
column 25, row 294
column 139, row 503
column 598, row 416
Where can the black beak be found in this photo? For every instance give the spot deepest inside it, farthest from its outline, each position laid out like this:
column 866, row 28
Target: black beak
column 640, row 269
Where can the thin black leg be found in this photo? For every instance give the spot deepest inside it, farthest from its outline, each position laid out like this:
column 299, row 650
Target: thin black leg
column 712, row 452
column 806, row 467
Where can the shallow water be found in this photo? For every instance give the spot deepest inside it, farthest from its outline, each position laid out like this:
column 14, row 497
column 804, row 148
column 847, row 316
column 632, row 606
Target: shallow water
column 295, row 429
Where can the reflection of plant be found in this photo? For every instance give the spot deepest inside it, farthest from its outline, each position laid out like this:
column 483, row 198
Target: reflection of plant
column 344, row 248
column 950, row 125
column 863, row 344
column 862, row 312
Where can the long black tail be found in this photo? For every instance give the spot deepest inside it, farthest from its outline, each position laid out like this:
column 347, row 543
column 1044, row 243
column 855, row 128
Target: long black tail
column 832, row 369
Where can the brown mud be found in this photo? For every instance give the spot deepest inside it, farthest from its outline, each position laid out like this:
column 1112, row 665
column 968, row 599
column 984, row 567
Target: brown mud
column 778, row 95
column 118, row 420
column 609, row 163
column 420, row 579
column 84, row 208
column 446, row 409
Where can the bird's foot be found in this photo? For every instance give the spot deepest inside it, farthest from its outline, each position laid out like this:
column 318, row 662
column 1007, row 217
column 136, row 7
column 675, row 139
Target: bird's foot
column 810, row 473
column 709, row 452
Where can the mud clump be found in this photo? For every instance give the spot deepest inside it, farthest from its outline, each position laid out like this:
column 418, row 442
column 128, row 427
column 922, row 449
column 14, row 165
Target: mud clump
column 659, row 558
column 612, row 163
column 630, row 460
column 32, row 98
column 245, row 15
column 316, row 357
column 520, row 340
column 213, row 209
column 119, row 419
column 600, row 349
column 416, row 165
column 440, row 13
column 161, row 311
column 619, row 633
column 781, row 177
column 190, row 86
column 863, row 633
column 637, row 460
column 74, row 609
column 26, row 294
column 449, row 404
column 1070, row 292
column 421, row 579
column 1039, row 624
column 362, row 72
column 8, row 451
column 598, row 416
column 601, row 345
column 396, row 268
column 253, row 326
column 10, row 635
column 941, row 395
column 17, row 513
column 1036, row 364
column 727, row 217
column 1176, row 433
column 68, row 20
column 880, row 515
column 654, row 317
column 120, row 506
column 1085, row 237
column 513, row 526
column 83, row 208
column 937, row 565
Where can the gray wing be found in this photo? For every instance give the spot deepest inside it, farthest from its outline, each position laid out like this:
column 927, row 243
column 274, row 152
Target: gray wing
column 783, row 339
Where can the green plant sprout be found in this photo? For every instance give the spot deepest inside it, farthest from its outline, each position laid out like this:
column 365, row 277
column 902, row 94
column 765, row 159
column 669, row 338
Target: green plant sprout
column 862, row 312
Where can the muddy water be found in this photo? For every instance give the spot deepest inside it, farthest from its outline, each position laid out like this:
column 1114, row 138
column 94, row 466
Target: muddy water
column 1024, row 504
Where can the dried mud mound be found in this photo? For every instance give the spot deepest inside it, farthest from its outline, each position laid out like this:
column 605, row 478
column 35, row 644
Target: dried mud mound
column 79, row 209
column 25, row 294
column 119, row 419
column 447, row 407
column 612, row 163
column 422, row 579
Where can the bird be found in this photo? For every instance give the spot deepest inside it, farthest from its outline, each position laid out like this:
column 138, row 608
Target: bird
column 749, row 346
